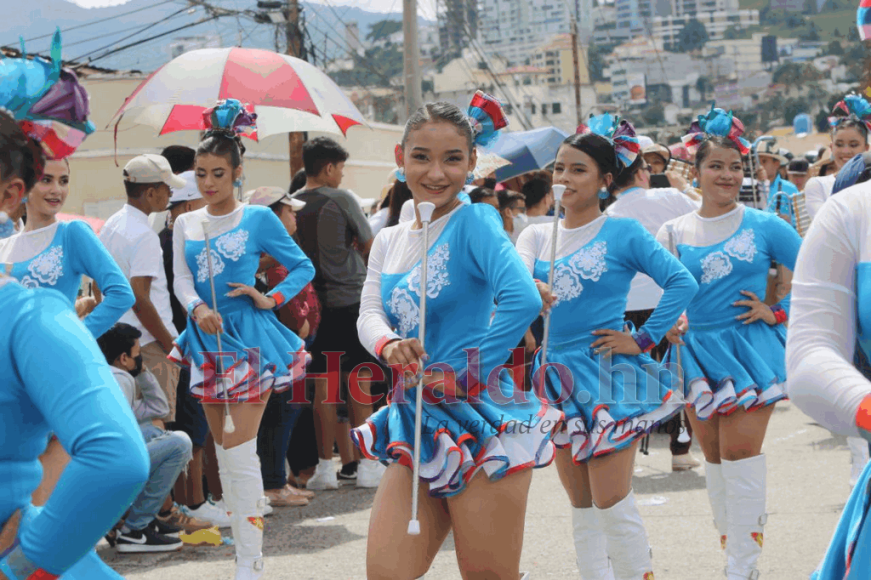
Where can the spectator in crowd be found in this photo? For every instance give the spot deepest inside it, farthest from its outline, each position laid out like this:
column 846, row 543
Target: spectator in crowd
column 335, row 235
column 301, row 315
column 391, row 207
column 484, row 195
column 298, row 182
column 797, row 170
column 538, row 198
column 189, row 415
column 168, row 451
column 511, row 205
column 136, row 249
column 657, row 157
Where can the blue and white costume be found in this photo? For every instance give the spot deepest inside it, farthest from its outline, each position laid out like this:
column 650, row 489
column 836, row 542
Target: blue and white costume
column 727, row 363
column 57, row 256
column 260, row 353
column 608, row 402
column 77, row 398
column 831, row 309
column 471, row 263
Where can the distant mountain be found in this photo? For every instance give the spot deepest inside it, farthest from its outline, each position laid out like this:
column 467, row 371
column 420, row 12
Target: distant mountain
column 325, row 27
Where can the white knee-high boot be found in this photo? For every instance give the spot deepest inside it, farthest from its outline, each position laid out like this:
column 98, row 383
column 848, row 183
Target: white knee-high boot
column 246, row 491
column 226, row 486
column 717, row 495
column 745, row 514
column 627, row 540
column 590, row 545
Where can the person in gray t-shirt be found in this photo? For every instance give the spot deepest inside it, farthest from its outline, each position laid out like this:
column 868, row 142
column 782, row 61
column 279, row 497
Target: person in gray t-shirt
column 335, row 234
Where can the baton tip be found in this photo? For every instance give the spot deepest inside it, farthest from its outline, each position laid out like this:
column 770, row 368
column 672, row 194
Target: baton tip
column 414, row 528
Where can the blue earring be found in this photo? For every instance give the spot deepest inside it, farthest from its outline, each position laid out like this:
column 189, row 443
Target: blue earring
column 470, row 177
column 7, row 228
column 603, row 194
column 400, row 174
column 238, row 183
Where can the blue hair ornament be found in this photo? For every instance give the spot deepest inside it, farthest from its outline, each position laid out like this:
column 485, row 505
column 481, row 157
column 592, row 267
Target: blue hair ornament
column 486, row 118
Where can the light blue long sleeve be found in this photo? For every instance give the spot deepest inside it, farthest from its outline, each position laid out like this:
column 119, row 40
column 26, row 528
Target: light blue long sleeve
column 275, row 241
column 517, row 299
column 783, row 245
column 58, row 376
column 93, row 259
column 650, row 257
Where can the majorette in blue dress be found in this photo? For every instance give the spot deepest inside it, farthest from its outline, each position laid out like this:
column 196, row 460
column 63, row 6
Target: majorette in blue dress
column 608, row 401
column 727, row 363
column 260, row 353
column 55, row 379
column 495, row 427
column 57, row 256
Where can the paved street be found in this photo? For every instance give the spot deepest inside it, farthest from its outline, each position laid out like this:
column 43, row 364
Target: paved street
column 808, row 473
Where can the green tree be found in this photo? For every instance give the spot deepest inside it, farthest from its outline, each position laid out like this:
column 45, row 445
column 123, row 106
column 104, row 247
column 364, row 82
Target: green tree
column 811, row 34
column 653, row 114
column 596, row 62
column 383, row 29
column 835, row 48
column 789, row 74
column 853, row 34
column 692, row 36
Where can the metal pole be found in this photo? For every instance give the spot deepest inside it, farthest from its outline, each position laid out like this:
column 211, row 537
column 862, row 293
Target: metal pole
column 577, row 66
column 294, row 48
column 411, row 68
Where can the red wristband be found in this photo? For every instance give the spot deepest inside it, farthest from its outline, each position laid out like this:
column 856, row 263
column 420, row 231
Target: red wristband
column 779, row 314
column 382, row 342
column 863, row 415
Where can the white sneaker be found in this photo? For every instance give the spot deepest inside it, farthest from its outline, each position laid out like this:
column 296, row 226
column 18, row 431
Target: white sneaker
column 211, row 513
column 369, row 473
column 324, row 477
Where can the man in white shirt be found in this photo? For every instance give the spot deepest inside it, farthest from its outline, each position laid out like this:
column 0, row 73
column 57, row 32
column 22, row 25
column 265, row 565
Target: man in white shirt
column 136, row 248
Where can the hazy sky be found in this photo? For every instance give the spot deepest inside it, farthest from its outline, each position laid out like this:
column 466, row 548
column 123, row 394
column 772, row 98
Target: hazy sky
column 371, row 5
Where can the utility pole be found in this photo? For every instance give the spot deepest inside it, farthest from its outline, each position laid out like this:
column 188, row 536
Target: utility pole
column 411, row 68
column 577, row 65
column 294, row 48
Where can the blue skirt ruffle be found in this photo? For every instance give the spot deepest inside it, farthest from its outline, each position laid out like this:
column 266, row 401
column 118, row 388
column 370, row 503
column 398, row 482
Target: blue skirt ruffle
column 608, row 402
column 459, row 438
column 732, row 365
column 260, row 354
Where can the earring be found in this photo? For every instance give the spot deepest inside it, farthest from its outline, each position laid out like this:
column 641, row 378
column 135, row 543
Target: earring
column 238, row 183
column 400, row 174
column 603, row 194
column 470, row 177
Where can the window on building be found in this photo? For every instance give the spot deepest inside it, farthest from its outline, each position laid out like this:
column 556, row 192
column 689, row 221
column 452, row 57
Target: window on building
column 557, row 108
column 532, row 108
column 544, row 108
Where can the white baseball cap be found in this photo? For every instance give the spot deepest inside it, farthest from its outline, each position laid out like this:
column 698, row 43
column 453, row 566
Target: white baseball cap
column 150, row 168
column 188, row 192
column 269, row 194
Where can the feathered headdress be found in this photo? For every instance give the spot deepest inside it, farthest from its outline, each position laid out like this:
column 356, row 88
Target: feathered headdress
column 486, row 118
column 717, row 123
column 853, row 107
column 619, row 132
column 47, row 101
column 229, row 118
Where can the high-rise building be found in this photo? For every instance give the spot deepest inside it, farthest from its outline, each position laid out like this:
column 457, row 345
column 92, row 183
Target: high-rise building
column 634, row 17
column 513, row 29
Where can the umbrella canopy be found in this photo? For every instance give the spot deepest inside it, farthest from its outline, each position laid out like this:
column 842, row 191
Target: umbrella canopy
column 288, row 94
column 527, row 150
column 95, row 223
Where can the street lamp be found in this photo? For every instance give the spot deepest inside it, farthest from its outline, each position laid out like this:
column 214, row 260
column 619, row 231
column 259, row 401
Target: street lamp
column 274, row 11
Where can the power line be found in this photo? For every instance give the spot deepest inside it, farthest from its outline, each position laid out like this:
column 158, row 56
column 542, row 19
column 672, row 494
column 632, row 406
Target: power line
column 101, row 20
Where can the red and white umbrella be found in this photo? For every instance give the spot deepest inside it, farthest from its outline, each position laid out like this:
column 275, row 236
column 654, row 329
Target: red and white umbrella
column 288, row 94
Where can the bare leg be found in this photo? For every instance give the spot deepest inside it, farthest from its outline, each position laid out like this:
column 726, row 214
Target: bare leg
column 392, row 554
column 246, row 418
column 488, row 520
column 707, row 433
column 742, row 433
column 575, row 479
column 343, row 440
column 211, row 469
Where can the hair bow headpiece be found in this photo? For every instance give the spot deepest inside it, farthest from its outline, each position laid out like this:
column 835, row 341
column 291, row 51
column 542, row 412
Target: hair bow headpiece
column 486, row 118
column 229, row 118
column 717, row 123
column 619, row 132
column 47, row 101
column 852, row 107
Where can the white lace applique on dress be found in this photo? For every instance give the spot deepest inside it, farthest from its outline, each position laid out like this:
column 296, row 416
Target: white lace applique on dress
column 715, row 266
column 47, row 268
column 232, row 245
column 589, row 263
column 742, row 246
column 566, row 284
column 203, row 265
column 405, row 309
column 437, row 273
